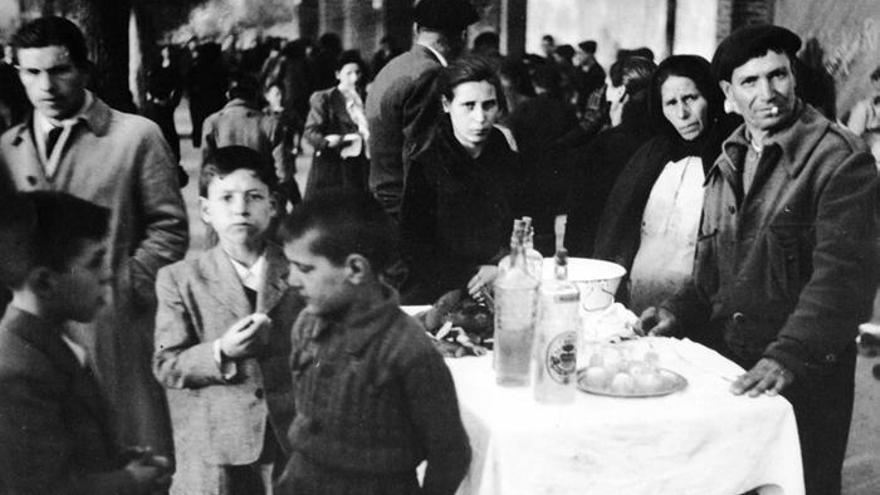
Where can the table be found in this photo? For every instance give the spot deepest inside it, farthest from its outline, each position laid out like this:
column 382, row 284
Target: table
column 702, row 440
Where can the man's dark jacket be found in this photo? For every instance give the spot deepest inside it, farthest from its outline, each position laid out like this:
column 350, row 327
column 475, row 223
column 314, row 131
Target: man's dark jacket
column 401, row 108
column 787, row 269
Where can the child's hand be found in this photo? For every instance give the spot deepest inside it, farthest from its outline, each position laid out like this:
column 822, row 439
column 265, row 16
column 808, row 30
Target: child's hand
column 241, row 338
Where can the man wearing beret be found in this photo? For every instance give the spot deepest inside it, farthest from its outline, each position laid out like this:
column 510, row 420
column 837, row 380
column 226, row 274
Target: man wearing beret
column 785, row 265
column 402, row 104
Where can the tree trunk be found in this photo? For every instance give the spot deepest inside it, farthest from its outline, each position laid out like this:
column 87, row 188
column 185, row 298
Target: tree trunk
column 105, row 25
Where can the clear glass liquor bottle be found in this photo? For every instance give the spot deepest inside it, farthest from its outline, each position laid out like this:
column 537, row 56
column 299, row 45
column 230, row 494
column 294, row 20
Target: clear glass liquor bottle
column 533, row 257
column 556, row 336
column 515, row 291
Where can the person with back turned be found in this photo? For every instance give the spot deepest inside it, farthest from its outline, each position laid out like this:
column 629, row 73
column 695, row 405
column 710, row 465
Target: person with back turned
column 402, row 105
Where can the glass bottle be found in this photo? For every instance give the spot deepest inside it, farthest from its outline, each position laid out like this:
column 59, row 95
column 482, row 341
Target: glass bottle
column 556, row 336
column 518, row 228
column 534, row 258
column 516, row 291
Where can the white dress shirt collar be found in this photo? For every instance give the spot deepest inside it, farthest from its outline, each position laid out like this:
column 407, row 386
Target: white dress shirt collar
column 437, row 54
column 251, row 277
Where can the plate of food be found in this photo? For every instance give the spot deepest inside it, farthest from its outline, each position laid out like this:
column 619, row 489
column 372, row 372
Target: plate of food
column 632, row 382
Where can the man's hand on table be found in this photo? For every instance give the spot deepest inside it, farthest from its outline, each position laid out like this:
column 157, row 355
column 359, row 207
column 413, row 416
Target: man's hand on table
column 768, row 376
column 656, row 321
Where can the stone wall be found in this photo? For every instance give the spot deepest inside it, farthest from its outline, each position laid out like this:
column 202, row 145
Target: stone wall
column 847, row 40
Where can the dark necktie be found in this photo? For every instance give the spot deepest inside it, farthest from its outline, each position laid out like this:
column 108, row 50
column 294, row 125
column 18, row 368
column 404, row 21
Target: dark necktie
column 251, row 297
column 52, row 139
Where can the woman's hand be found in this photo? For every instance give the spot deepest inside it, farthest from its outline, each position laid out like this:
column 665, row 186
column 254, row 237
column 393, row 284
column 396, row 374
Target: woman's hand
column 656, row 321
column 482, row 281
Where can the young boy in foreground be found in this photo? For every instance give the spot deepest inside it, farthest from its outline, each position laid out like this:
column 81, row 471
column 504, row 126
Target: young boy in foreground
column 54, row 433
column 223, row 336
column 373, row 396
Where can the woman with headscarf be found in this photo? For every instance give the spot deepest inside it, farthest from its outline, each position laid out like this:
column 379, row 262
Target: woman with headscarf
column 650, row 222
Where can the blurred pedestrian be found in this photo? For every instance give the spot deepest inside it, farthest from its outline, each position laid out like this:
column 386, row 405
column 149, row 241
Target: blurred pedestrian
column 242, row 122
column 292, row 125
column 164, row 89
column 337, row 129
column 388, row 49
column 323, row 61
column 205, row 83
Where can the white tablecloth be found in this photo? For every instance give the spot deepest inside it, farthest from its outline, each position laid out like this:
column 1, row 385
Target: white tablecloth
column 702, row 440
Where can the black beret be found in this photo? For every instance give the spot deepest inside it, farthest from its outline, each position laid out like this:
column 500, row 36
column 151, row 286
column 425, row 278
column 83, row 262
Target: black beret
column 588, row 46
column 445, row 15
column 751, row 42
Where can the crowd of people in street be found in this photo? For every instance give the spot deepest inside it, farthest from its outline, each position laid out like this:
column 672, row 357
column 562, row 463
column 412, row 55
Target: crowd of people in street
column 746, row 220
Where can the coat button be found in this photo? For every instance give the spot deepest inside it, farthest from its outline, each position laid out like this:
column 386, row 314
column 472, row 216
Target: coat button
column 32, row 180
column 258, row 393
column 738, row 317
column 731, row 209
column 830, row 358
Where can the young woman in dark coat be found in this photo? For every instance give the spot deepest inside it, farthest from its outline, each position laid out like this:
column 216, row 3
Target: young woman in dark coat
column 650, row 222
column 460, row 190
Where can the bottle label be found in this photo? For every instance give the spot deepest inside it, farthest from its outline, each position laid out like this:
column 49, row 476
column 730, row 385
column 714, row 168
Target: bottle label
column 566, row 297
column 560, row 359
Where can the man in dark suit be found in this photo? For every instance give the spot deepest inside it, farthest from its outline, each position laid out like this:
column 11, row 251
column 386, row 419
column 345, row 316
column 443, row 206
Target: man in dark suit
column 402, row 104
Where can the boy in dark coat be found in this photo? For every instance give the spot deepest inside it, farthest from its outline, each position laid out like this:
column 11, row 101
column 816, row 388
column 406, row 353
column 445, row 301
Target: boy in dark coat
column 54, row 433
column 373, row 397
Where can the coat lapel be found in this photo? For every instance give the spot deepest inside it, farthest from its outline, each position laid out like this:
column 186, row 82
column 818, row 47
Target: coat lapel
column 277, row 269
column 46, row 337
column 223, row 283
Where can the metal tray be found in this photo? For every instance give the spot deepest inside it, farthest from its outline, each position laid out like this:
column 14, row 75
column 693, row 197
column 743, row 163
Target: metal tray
column 673, row 382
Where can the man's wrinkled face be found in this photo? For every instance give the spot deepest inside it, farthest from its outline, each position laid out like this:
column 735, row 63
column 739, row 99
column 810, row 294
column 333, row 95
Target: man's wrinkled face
column 762, row 90
column 54, row 84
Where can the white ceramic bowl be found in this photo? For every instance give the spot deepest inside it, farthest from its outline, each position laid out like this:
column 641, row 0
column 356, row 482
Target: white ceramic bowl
column 597, row 279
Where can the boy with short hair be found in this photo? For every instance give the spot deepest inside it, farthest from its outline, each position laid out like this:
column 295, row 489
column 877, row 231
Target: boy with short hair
column 223, row 336
column 54, row 436
column 373, row 396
